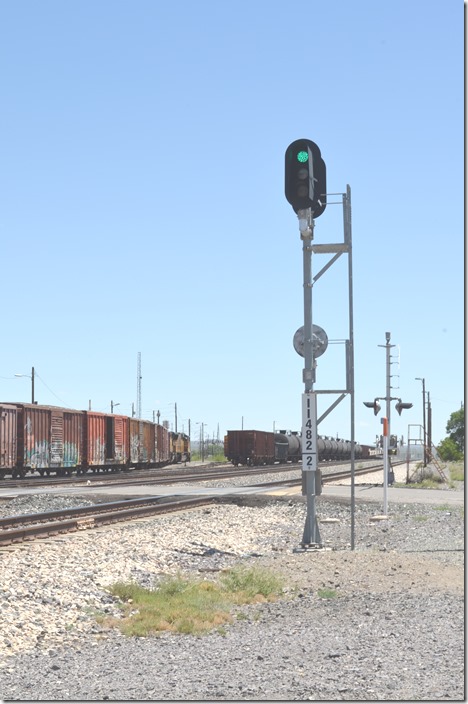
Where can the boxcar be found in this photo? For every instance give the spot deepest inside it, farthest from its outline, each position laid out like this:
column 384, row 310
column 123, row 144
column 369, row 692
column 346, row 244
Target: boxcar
column 8, row 439
column 250, row 447
column 106, row 441
column 142, row 442
column 163, row 451
column 49, row 439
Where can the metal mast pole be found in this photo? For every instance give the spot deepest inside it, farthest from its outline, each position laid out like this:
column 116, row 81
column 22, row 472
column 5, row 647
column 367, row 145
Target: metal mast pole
column 350, row 352
column 311, row 535
column 388, row 394
column 424, row 422
column 386, row 421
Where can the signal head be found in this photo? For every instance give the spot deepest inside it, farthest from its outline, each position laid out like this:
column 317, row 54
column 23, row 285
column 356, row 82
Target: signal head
column 400, row 406
column 305, row 177
column 373, row 404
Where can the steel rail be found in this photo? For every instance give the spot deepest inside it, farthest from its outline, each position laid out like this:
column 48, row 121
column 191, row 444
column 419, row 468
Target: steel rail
column 33, row 526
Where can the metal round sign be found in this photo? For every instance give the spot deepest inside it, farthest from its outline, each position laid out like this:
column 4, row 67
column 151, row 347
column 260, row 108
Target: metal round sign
column 319, row 341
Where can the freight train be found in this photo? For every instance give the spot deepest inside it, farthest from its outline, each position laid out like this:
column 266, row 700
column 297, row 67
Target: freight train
column 49, row 439
column 257, row 447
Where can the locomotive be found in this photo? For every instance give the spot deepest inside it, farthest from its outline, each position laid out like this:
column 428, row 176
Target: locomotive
column 180, row 447
column 49, row 439
column 256, row 447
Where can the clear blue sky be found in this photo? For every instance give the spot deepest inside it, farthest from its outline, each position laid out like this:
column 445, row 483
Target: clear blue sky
column 143, row 209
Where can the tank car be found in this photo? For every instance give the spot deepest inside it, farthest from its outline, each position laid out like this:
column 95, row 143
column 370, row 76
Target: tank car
column 295, row 446
column 281, row 447
column 288, row 446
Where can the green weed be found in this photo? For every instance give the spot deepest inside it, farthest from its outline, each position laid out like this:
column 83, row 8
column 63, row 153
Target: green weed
column 327, row 593
column 190, row 606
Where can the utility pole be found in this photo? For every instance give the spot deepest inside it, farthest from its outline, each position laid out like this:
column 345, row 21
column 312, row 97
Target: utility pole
column 418, row 378
column 429, row 426
column 139, row 385
column 32, row 382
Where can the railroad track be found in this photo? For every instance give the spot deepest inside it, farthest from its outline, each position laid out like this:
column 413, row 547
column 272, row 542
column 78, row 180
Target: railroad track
column 204, row 473
column 16, row 529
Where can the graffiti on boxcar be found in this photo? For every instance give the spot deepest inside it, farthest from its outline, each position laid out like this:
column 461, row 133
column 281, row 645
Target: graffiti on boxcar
column 38, row 456
column 99, row 452
column 134, row 448
column 71, row 455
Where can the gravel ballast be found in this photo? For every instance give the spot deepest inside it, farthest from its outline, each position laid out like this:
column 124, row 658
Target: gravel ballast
column 394, row 629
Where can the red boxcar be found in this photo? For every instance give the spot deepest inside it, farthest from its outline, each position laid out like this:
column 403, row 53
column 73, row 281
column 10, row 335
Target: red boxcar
column 142, row 442
column 8, row 439
column 120, row 444
column 107, row 441
column 48, row 439
column 163, row 454
column 73, row 438
column 250, row 447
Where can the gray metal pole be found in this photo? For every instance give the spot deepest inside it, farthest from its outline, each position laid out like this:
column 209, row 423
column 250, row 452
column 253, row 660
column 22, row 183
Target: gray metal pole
column 311, row 535
column 424, row 422
column 32, row 385
column 347, row 226
column 429, row 426
column 388, row 395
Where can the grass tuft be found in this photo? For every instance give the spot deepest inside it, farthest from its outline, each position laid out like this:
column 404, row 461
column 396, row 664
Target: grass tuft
column 327, row 593
column 190, row 606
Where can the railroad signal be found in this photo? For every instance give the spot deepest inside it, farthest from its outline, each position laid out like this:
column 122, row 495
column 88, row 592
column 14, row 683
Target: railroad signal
column 373, row 404
column 400, row 406
column 305, row 184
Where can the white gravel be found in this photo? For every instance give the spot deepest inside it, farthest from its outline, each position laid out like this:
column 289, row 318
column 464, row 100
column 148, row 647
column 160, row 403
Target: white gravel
column 395, row 630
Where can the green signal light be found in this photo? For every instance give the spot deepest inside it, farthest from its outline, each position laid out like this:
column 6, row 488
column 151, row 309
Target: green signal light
column 302, row 156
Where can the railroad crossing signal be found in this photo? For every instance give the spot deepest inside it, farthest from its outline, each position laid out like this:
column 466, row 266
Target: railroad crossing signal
column 373, row 404
column 400, row 406
column 305, row 184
